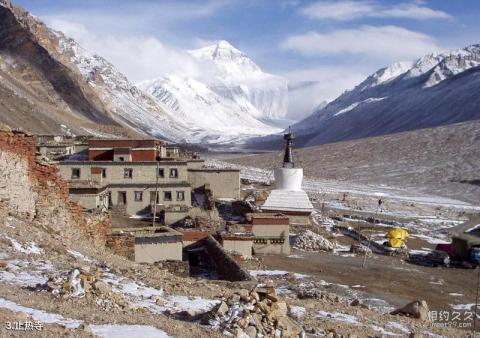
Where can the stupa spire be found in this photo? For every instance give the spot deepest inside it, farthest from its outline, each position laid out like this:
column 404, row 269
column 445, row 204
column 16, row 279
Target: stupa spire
column 288, row 157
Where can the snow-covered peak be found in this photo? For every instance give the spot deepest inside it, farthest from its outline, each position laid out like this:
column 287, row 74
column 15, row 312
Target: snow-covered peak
column 386, row 74
column 446, row 63
column 228, row 60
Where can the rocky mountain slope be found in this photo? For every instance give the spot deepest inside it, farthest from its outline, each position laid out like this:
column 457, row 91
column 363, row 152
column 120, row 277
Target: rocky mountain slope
column 435, row 90
column 50, row 84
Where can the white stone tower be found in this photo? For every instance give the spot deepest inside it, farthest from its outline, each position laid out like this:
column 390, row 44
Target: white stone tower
column 288, row 197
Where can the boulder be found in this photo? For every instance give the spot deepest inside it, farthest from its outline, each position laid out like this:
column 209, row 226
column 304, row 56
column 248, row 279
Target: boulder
column 288, row 327
column 102, row 287
column 416, row 309
column 251, row 331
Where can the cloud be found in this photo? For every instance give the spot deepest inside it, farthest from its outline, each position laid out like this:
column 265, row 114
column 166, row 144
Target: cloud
column 350, row 10
column 310, row 87
column 386, row 43
column 138, row 57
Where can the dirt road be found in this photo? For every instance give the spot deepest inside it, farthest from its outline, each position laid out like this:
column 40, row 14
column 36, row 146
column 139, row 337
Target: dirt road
column 387, row 278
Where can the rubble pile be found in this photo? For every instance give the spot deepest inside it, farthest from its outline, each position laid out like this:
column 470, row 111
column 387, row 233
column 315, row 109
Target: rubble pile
column 314, row 290
column 310, row 241
column 80, row 283
column 250, row 314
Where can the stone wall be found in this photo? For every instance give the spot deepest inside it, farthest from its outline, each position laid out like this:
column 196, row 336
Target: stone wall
column 227, row 267
column 122, row 244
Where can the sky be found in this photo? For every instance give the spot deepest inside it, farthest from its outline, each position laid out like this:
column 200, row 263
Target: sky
column 333, row 44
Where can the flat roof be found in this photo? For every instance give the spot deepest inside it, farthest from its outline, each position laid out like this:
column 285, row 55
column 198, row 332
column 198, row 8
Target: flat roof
column 148, row 185
column 122, row 163
column 213, row 170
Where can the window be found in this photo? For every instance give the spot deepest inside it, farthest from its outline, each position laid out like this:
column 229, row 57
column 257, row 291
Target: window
column 127, row 173
column 180, row 196
column 138, row 196
column 173, row 173
column 161, row 172
column 104, row 173
column 121, row 159
column 167, row 195
column 75, row 173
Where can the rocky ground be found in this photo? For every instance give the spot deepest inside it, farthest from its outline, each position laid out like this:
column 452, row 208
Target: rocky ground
column 76, row 290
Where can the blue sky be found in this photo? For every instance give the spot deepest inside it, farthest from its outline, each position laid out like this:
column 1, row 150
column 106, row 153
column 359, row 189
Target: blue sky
column 337, row 43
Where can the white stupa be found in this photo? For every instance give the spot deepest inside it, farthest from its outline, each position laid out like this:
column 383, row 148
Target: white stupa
column 288, row 196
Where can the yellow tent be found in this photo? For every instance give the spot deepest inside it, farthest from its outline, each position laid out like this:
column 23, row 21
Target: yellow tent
column 396, row 237
column 398, row 233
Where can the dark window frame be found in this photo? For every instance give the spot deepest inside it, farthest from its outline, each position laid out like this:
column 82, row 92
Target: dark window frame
column 161, row 173
column 104, row 172
column 129, row 171
column 173, row 173
column 165, row 194
column 75, row 177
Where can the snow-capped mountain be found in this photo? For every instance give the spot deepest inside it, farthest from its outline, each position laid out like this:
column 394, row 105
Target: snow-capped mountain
column 435, row 90
column 233, row 99
column 237, row 77
column 208, row 116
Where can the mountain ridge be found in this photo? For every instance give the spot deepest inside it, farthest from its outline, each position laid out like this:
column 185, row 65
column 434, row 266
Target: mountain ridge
column 435, row 90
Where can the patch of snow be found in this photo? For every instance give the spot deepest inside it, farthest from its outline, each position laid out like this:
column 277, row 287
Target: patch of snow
column 341, row 248
column 429, row 239
column 383, row 331
column 131, row 288
column 77, row 254
column 28, row 248
column 301, row 275
column 400, row 327
column 297, row 311
column 22, row 278
column 146, row 297
column 356, row 104
column 419, row 252
column 455, row 294
column 41, row 316
column 256, row 273
column 462, row 306
column 131, row 331
column 99, row 134
column 473, row 228
column 341, row 317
